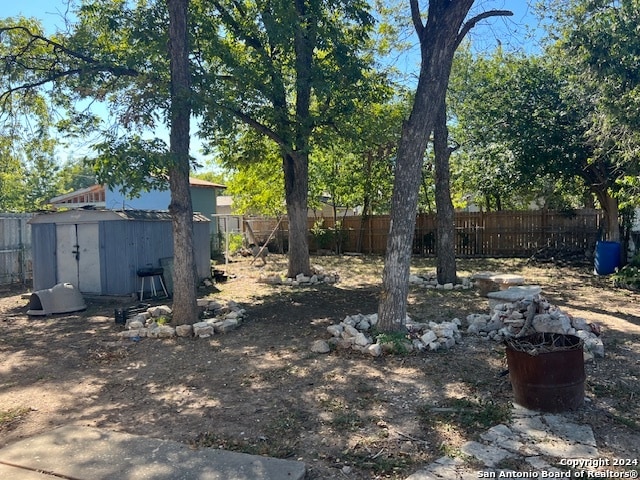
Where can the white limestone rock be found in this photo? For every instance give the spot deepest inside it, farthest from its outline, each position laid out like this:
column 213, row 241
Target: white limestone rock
column 129, row 334
column 227, row 325
column 135, row 325
column 184, row 330
column 449, row 343
column 362, row 340
column 364, row 325
column 335, row 330
column 320, row 346
column 580, row 324
column 203, row 329
column 547, row 323
column 349, row 331
column 428, row 337
column 476, row 318
column 594, row 346
column 375, row 350
column 350, row 321
column 162, row 331
column 159, row 311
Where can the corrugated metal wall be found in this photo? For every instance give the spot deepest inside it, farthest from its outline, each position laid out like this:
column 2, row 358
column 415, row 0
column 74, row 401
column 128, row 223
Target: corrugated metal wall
column 125, row 247
column 44, row 255
column 15, row 248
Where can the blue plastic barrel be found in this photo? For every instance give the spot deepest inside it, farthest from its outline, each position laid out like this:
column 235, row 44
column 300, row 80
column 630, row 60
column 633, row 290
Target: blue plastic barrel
column 607, row 257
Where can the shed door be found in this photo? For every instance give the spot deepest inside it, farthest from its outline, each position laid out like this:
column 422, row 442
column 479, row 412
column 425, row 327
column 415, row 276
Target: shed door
column 78, row 259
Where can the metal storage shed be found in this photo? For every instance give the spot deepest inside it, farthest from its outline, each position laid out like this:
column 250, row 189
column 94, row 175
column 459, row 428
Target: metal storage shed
column 100, row 251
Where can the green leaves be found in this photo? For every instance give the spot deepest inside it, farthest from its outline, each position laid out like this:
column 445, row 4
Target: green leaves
column 133, row 164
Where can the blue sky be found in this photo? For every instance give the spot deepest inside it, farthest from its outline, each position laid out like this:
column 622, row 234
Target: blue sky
column 513, row 32
column 518, row 32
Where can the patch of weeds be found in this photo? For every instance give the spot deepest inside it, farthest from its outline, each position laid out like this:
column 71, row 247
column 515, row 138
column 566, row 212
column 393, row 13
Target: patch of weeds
column 617, row 389
column 383, row 461
column 343, row 417
column 287, row 423
column 469, row 415
column 280, row 438
column 364, row 388
column 449, row 451
column 367, row 395
column 10, row 418
column 273, row 375
column 514, row 464
column 348, row 420
column 396, row 342
column 627, row 422
column 162, row 320
column 107, row 355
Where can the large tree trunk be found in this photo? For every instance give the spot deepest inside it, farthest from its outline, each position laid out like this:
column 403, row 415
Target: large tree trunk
column 392, row 309
column 438, row 41
column 296, row 182
column 296, row 159
column 609, row 205
column 185, row 309
column 446, row 260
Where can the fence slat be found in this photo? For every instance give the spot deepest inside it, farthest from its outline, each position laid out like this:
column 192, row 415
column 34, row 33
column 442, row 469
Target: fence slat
column 15, row 248
column 478, row 234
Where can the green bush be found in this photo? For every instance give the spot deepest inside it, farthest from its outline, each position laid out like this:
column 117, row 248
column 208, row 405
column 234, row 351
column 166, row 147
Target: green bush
column 629, row 275
column 322, row 235
column 236, row 242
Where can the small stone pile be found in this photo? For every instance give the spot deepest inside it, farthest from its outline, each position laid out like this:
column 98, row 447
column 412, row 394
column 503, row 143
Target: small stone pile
column 354, row 332
column 430, row 281
column 506, row 320
column 301, row 279
column 218, row 318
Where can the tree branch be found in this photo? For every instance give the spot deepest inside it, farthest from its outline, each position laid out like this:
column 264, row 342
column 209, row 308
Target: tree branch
column 230, row 22
column 417, row 18
column 259, row 127
column 52, row 73
column 57, row 47
column 473, row 21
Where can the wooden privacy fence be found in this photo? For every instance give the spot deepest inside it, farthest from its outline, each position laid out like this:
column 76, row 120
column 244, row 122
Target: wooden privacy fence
column 15, row 248
column 478, row 234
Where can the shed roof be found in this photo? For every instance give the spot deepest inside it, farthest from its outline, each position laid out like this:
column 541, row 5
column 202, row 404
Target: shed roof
column 81, row 215
column 197, row 182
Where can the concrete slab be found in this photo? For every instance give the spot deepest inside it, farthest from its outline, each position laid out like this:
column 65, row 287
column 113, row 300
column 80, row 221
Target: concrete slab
column 487, row 454
column 512, row 294
column 83, row 453
column 17, row 473
column 573, row 432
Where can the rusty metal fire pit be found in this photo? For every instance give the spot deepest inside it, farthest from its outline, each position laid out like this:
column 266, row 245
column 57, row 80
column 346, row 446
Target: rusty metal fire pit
column 547, row 371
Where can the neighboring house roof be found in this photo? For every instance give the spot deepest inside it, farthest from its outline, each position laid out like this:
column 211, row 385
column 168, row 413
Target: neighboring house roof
column 95, row 194
column 224, row 200
column 196, row 182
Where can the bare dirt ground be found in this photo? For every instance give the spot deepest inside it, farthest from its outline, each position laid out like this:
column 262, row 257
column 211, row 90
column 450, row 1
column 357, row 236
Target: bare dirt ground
column 260, row 390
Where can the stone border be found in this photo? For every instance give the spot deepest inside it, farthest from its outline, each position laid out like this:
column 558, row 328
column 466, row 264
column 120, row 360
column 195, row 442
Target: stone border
column 218, row 318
